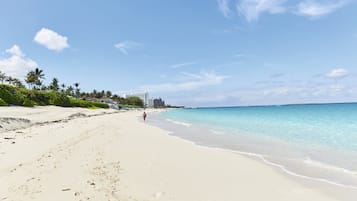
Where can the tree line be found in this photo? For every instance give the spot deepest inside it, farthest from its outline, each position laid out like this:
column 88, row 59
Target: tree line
column 34, row 80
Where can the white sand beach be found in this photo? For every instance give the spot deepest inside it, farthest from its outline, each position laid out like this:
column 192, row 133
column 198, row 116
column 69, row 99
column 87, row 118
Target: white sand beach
column 53, row 153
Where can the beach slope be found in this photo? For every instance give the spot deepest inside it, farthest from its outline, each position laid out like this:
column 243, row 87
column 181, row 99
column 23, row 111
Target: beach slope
column 80, row 154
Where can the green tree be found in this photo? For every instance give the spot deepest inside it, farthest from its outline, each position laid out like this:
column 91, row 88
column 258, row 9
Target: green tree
column 108, row 94
column 34, row 78
column 63, row 87
column 17, row 83
column 39, row 77
column 54, row 86
column 30, row 79
column 77, row 90
column 69, row 90
column 133, row 100
column 9, row 80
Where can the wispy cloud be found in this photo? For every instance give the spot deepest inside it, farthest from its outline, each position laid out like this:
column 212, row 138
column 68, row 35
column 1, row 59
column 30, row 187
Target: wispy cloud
column 277, row 75
column 51, row 39
column 240, row 55
column 223, row 6
column 179, row 65
column 190, row 82
column 287, row 94
column 337, row 73
column 314, row 8
column 252, row 9
column 127, row 45
column 276, row 92
column 17, row 65
column 226, row 31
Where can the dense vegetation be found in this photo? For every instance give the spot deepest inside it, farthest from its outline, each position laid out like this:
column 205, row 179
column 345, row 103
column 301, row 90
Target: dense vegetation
column 10, row 95
column 15, row 93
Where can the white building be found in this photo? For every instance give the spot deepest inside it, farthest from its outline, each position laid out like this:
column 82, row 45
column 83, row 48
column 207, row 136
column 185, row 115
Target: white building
column 150, row 103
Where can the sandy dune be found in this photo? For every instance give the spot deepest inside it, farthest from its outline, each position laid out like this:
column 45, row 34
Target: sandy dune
column 116, row 156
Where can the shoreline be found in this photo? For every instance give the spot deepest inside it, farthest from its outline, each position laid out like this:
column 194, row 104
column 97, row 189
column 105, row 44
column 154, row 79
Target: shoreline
column 301, row 173
column 118, row 157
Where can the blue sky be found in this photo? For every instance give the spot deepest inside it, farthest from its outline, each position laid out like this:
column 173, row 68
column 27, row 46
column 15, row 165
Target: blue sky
column 193, row 53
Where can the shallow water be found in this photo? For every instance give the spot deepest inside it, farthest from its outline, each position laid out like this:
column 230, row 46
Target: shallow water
column 316, row 142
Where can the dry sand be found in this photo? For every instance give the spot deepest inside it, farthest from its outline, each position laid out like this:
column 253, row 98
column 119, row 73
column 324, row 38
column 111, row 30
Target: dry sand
column 80, row 154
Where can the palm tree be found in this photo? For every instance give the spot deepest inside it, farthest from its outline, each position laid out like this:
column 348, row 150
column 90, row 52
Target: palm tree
column 54, row 85
column 77, row 89
column 63, row 88
column 108, row 94
column 39, row 76
column 35, row 78
column 69, row 90
column 30, row 79
column 2, row 77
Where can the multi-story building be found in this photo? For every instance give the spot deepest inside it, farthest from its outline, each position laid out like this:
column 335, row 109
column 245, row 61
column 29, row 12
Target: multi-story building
column 158, row 102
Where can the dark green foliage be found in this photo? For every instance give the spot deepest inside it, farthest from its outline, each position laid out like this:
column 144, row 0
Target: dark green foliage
column 10, row 95
column 128, row 106
column 3, row 103
column 39, row 97
column 87, row 104
column 134, row 101
column 100, row 105
column 34, row 78
column 79, row 103
column 58, row 99
column 54, row 86
column 28, row 103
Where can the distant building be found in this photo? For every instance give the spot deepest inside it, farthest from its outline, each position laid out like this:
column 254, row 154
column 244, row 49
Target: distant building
column 159, row 103
column 150, row 103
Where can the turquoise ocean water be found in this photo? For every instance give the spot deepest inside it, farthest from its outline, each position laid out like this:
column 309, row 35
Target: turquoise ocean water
column 314, row 141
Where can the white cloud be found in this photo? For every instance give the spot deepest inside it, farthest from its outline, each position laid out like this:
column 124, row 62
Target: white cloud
column 223, row 6
column 191, row 82
column 15, row 50
column 17, row 65
column 314, row 8
column 179, row 65
column 51, row 40
column 252, row 9
column 337, row 73
column 127, row 45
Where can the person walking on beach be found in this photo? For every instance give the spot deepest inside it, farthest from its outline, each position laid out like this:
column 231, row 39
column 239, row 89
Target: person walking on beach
column 144, row 116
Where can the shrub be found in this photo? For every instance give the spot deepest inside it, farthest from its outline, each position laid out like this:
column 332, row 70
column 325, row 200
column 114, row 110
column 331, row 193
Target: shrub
column 87, row 104
column 11, row 95
column 58, row 99
column 133, row 100
column 100, row 105
column 3, row 103
column 79, row 103
column 28, row 103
